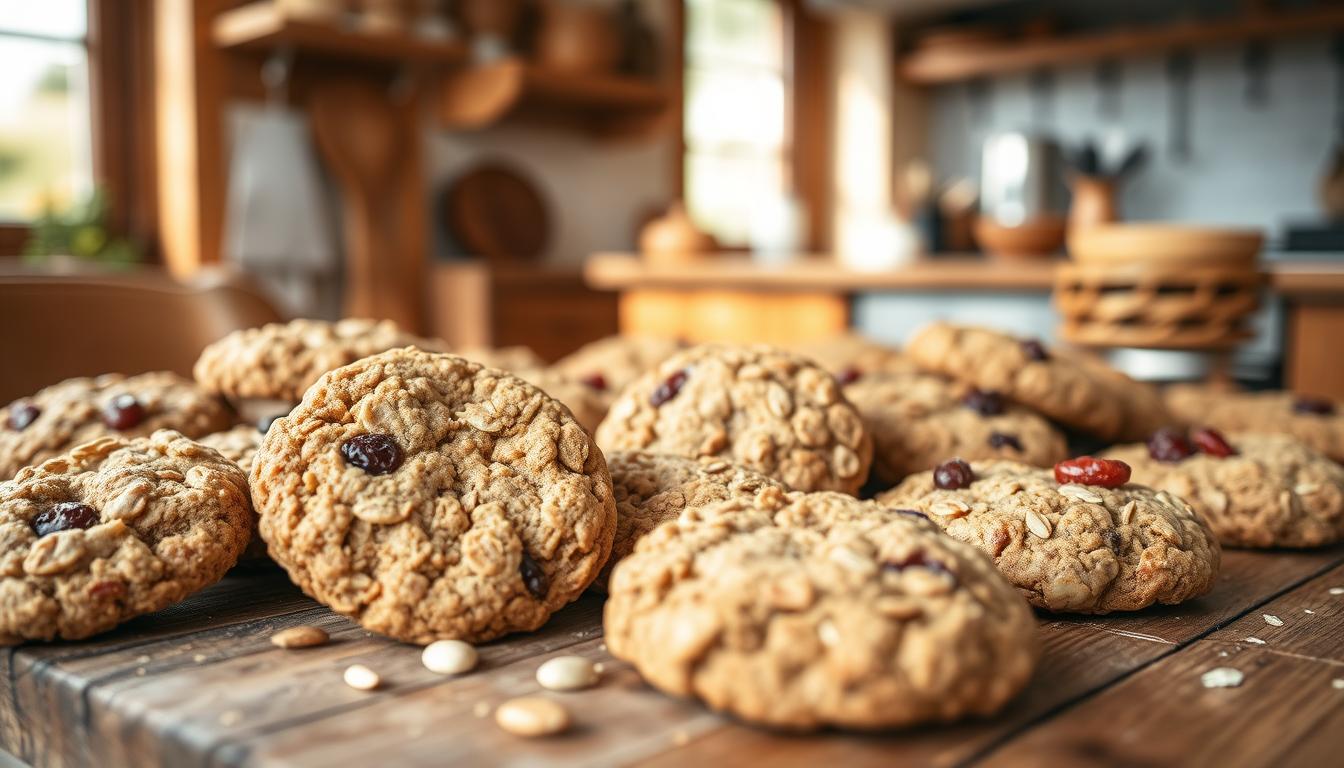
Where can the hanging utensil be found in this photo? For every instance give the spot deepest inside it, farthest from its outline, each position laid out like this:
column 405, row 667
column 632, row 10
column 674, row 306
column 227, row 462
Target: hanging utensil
column 1180, row 73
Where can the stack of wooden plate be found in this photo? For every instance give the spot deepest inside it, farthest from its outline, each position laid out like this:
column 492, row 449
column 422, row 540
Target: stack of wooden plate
column 1159, row 286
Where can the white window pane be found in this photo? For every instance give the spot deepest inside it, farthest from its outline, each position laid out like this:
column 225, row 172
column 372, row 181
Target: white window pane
column 52, row 18
column 734, row 106
column 739, row 31
column 723, row 189
column 44, row 126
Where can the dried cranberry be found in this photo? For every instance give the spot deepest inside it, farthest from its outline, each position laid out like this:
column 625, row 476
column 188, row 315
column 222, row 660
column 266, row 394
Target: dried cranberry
column 983, row 402
column 534, row 578
column 108, row 589
column 1169, row 444
column 21, row 414
column 595, row 381
column 952, row 475
column 63, row 517
column 1315, row 405
column 265, row 422
column 374, row 453
column 1212, row 442
column 1107, row 473
column 911, row 513
column 848, row 376
column 668, row 389
column 917, row 560
column 1004, row 440
column 123, row 412
column 1034, row 350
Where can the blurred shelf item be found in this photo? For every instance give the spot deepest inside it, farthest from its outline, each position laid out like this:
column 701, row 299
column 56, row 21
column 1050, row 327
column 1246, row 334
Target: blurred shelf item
column 608, row 106
column 953, row 63
column 262, row 26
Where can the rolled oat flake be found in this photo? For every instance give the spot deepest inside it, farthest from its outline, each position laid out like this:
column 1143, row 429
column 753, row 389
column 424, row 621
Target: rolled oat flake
column 1222, row 677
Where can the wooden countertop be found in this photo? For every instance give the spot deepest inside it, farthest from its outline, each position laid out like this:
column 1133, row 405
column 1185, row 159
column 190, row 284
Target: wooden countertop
column 969, row 273
column 201, row 685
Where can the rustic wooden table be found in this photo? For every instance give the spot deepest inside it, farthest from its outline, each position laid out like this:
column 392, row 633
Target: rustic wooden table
column 200, row 684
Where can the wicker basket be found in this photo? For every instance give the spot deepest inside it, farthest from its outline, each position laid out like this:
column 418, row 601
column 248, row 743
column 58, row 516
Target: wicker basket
column 1156, row 305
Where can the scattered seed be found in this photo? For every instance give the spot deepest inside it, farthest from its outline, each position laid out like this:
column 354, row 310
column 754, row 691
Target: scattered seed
column 449, row 657
column 532, row 716
column 567, row 673
column 198, row 658
column 1038, row 525
column 299, row 637
column 599, row 667
column 1272, row 620
column 1309, row 611
column 1222, row 677
column 1337, row 590
column 1255, row 641
column 1337, row 683
column 361, row 678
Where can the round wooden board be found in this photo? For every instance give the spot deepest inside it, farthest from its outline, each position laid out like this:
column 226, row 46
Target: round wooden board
column 494, row 211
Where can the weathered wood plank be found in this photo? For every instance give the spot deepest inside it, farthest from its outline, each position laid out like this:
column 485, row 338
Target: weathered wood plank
column 1286, row 712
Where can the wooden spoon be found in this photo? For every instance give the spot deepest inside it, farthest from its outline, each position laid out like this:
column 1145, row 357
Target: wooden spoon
column 361, row 137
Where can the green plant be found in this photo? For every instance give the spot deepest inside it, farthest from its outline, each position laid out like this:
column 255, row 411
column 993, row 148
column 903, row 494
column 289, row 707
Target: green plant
column 80, row 231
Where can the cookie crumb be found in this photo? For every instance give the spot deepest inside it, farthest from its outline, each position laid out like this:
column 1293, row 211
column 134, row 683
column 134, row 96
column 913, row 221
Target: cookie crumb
column 449, row 657
column 1222, row 677
column 300, row 637
column 567, row 673
column 1272, row 620
column 361, row 678
column 198, row 658
column 532, row 716
column 599, row 667
column 1255, row 641
column 142, row 659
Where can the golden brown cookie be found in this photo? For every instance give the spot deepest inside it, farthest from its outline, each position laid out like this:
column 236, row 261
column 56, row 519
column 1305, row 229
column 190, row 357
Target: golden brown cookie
column 757, row 406
column 428, row 497
column 76, row 411
column 113, row 529
column 1318, row 422
column 610, row 365
column 808, row 610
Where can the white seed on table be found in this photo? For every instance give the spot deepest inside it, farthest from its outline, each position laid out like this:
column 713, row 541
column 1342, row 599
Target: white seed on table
column 532, row 716
column 1222, row 677
column 449, row 657
column 567, row 673
column 1255, row 641
column 1337, row 590
column 361, row 678
column 1337, row 683
column 1272, row 620
column 299, row 637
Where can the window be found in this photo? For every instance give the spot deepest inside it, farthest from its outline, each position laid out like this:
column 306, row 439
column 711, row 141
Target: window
column 45, row 141
column 736, row 128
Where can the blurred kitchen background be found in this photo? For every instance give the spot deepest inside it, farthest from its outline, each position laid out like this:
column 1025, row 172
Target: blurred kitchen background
column 1162, row 180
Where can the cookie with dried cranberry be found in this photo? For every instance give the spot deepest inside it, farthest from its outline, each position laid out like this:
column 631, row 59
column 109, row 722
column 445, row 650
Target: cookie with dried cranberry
column 76, row 411
column 113, row 529
column 652, row 488
column 756, row 406
column 1050, row 382
column 429, row 497
column 1317, row 422
column 917, row 420
column 804, row 611
column 279, row 361
column 1253, row 490
column 611, row 364
column 1080, row 540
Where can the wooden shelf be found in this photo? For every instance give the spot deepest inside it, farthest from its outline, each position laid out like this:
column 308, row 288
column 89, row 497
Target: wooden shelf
column 261, row 27
column 947, row 65
column 605, row 105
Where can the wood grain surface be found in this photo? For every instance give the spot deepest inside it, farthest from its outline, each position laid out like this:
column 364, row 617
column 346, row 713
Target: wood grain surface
column 201, row 685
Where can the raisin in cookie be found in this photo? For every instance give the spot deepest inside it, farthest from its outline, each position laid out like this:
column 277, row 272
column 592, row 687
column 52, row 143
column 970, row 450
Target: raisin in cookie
column 280, row 360
column 611, row 364
column 113, row 529
column 809, row 610
column 1315, row 421
column 429, row 497
column 1050, row 383
column 653, row 488
column 917, row 420
column 1253, row 490
column 76, row 411
column 757, row 406
column 1070, row 547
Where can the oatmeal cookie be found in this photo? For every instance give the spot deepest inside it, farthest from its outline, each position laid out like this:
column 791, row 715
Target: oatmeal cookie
column 428, row 497
column 1048, row 382
column 653, row 488
column 849, row 355
column 757, row 406
column 1070, row 547
column 113, row 529
column 1315, row 421
column 516, row 359
column 76, row 411
column 280, row 360
column 238, row 444
column 917, row 420
column 610, row 365
column 589, row 405
column 808, row 610
column 1270, row 491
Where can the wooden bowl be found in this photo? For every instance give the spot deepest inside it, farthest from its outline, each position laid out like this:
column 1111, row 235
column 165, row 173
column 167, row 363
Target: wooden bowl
column 1037, row 238
column 1120, row 243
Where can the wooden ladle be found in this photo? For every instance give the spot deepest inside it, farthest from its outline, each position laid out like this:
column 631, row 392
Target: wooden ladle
column 362, row 138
